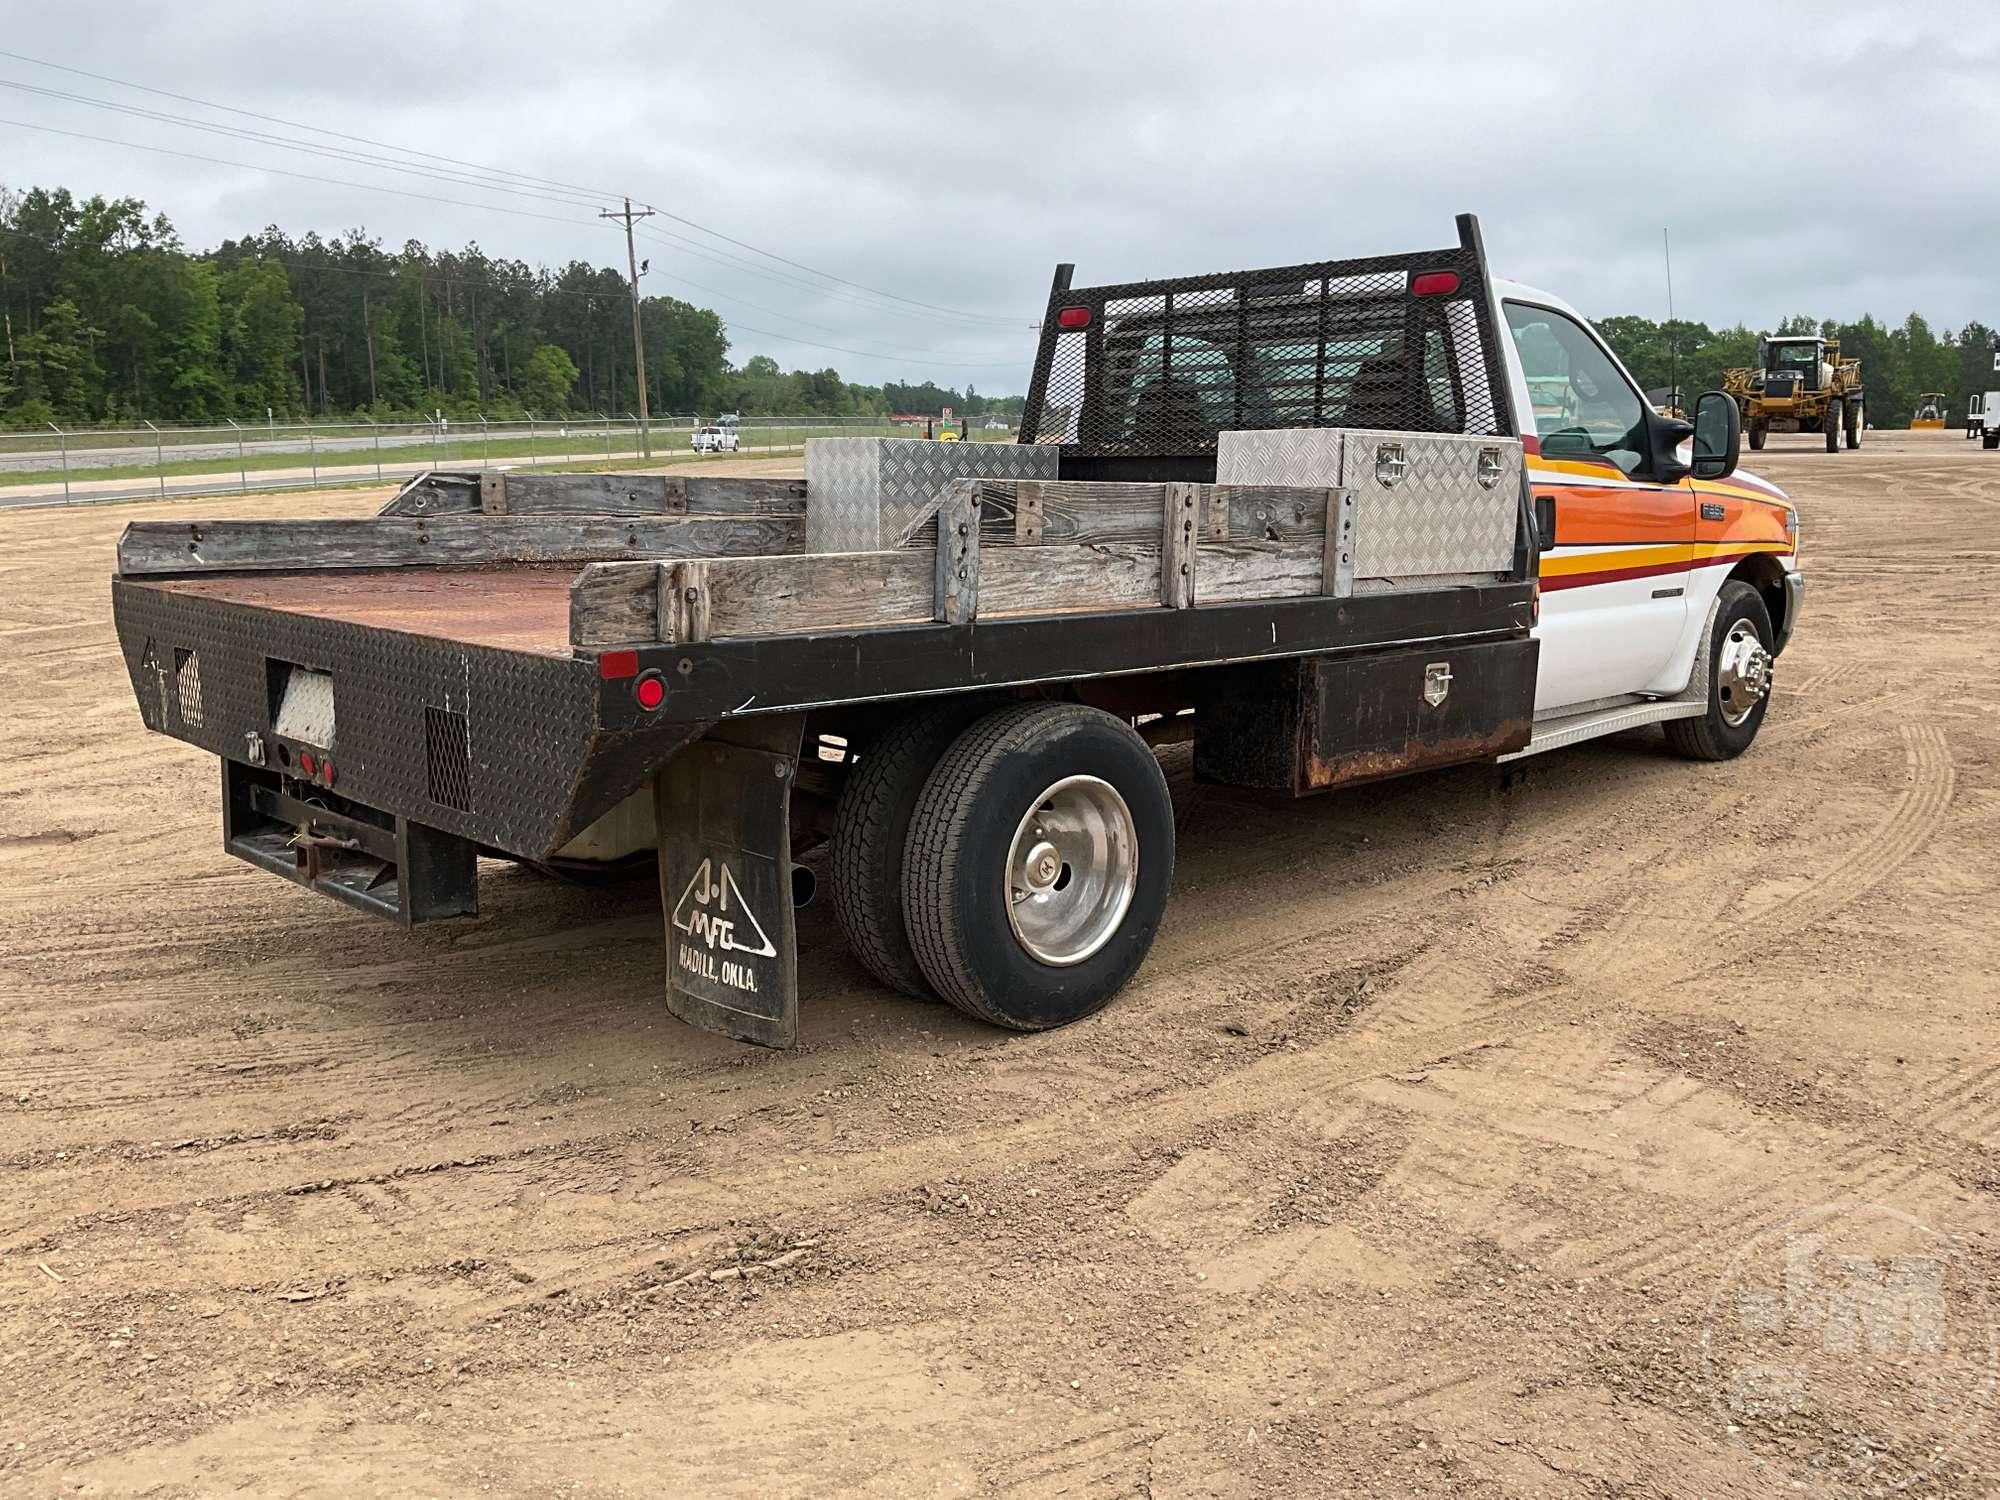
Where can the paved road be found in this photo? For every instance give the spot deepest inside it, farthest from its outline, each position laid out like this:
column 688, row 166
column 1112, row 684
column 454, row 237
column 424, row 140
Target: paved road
column 45, row 453
column 83, row 490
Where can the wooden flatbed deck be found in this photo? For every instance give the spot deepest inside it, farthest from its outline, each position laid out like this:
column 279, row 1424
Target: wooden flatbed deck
column 508, row 608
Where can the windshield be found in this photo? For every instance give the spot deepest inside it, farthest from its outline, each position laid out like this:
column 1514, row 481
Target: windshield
column 1800, row 357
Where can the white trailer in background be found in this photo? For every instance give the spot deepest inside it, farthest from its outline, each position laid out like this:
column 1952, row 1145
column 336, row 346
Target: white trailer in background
column 1982, row 413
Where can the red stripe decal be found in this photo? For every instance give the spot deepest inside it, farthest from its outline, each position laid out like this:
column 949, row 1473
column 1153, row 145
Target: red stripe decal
column 1650, row 570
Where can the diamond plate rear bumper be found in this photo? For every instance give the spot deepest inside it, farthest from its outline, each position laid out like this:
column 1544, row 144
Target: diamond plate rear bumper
column 504, row 748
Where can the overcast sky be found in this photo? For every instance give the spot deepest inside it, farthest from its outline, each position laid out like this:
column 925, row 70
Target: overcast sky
column 1826, row 158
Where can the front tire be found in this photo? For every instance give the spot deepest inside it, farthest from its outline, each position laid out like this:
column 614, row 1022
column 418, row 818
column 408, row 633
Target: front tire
column 1856, row 420
column 1038, row 863
column 1739, row 679
column 1992, row 439
column 1759, row 430
column 1830, row 424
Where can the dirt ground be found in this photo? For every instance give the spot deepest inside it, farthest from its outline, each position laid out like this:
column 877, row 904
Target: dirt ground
column 1416, row 1161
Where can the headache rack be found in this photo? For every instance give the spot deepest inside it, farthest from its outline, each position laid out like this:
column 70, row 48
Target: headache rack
column 1135, row 381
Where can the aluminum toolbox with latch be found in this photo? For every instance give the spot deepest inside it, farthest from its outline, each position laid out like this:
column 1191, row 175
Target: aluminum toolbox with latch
column 1427, row 505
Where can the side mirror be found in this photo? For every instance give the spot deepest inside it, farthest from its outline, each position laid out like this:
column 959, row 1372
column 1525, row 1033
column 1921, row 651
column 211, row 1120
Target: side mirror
column 1718, row 435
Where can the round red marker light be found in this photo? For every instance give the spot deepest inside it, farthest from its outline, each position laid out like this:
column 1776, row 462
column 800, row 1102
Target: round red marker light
column 306, row 762
column 650, row 690
column 326, row 771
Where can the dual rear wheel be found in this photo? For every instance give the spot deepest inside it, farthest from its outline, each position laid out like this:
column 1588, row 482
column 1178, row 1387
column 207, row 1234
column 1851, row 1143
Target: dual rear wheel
column 1015, row 864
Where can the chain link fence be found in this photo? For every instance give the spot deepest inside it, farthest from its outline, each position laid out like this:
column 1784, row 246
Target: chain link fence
column 73, row 466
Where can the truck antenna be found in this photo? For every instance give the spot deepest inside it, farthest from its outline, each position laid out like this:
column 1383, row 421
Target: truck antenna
column 1673, row 336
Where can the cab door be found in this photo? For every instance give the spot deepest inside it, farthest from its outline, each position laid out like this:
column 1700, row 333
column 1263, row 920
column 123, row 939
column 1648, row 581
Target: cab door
column 1616, row 542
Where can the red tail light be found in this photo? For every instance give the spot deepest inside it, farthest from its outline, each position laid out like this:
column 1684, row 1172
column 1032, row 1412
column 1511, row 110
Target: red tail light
column 650, row 690
column 615, row 666
column 1073, row 317
column 1435, row 284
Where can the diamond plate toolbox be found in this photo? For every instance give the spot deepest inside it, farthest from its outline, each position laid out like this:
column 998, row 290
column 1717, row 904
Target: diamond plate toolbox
column 1425, row 504
column 863, row 494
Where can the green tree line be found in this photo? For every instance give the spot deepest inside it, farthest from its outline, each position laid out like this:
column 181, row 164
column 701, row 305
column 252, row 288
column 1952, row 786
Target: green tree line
column 1897, row 364
column 108, row 318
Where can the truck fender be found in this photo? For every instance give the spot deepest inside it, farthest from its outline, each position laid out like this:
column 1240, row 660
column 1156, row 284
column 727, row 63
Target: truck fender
column 1680, row 676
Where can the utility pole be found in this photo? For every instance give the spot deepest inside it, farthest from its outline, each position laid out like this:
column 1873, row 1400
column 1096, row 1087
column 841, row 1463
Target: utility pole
column 368, row 333
column 6, row 312
column 638, row 338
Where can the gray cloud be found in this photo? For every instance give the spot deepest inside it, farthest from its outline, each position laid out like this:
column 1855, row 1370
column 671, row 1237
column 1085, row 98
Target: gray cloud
column 1808, row 158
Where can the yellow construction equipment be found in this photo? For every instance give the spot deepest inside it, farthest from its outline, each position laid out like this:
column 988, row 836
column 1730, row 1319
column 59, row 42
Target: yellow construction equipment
column 1930, row 412
column 1800, row 384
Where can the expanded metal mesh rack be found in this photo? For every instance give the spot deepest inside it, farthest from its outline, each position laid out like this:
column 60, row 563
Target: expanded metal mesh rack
column 1156, row 369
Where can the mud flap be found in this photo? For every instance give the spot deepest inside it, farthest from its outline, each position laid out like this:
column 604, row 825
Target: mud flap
column 723, row 810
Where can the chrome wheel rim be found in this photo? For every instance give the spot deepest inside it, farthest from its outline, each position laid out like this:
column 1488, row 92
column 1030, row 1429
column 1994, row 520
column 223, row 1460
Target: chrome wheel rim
column 1072, row 870
column 1742, row 673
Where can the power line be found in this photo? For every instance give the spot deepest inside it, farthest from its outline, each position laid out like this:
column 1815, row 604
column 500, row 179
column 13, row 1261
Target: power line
column 367, row 187
column 685, row 246
column 1007, row 364
column 892, row 349
column 939, row 357
column 252, row 114
column 599, row 193
column 673, row 241
column 425, row 271
column 801, row 266
column 358, row 158
column 936, row 358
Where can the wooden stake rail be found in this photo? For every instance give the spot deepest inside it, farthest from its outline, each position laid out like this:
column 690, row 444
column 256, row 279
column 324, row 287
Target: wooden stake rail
column 525, row 493
column 992, row 553
column 170, row 548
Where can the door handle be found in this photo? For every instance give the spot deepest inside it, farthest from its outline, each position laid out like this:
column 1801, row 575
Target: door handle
column 1545, row 520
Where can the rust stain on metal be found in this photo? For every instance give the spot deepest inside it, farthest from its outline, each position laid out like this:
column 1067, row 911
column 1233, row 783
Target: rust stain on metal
column 1413, row 755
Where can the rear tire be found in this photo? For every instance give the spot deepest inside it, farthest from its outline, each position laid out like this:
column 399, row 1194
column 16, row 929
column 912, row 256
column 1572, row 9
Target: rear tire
column 1739, row 682
column 1856, row 420
column 1038, row 863
column 870, row 827
column 1759, row 430
column 1992, row 439
column 1830, row 424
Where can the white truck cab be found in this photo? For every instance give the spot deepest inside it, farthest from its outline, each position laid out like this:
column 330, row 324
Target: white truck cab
column 1635, row 551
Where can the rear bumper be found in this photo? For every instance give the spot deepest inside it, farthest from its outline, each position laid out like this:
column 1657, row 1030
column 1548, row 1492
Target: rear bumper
column 380, row 863
column 503, row 749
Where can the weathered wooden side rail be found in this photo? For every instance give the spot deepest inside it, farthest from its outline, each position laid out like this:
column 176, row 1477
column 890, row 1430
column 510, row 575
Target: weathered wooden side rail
column 512, row 492
column 1117, row 546
column 184, row 547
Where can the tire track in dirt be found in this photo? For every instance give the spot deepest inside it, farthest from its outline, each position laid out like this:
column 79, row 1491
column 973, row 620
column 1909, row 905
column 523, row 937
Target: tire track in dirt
column 1613, row 953
column 1868, row 1164
column 1106, row 1457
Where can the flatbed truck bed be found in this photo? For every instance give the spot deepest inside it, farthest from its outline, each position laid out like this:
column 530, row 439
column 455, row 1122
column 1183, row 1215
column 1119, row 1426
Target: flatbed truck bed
column 1318, row 560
